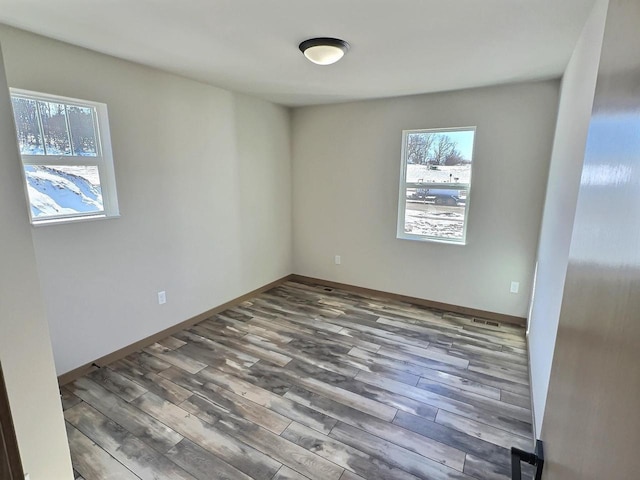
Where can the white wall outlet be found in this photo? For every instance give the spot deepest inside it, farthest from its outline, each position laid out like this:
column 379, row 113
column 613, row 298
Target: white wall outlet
column 515, row 287
column 162, row 297
column 338, row 260
column 27, row 476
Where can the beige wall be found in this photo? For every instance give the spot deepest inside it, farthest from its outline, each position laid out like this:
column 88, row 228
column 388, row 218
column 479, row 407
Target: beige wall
column 576, row 100
column 204, row 186
column 346, row 171
column 25, row 351
column 591, row 425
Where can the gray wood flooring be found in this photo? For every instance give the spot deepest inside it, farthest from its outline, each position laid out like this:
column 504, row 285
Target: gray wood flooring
column 307, row 382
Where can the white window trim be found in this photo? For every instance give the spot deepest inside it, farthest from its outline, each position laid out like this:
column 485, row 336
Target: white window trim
column 402, row 194
column 103, row 161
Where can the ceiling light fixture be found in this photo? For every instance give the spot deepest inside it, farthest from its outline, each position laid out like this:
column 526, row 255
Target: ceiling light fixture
column 324, row 51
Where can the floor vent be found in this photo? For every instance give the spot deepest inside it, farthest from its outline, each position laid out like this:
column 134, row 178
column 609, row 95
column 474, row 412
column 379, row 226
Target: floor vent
column 486, row 322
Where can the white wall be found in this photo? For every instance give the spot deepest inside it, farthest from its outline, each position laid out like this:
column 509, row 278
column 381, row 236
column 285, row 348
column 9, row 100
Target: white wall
column 204, row 187
column 25, row 350
column 576, row 101
column 346, row 171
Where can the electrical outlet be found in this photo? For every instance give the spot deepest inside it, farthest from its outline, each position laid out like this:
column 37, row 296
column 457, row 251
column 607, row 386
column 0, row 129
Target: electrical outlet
column 338, row 260
column 162, row 297
column 515, row 287
column 27, row 476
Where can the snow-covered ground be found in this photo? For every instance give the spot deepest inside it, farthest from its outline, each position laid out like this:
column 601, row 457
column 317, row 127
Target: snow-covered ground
column 430, row 220
column 443, row 174
column 446, row 222
column 63, row 190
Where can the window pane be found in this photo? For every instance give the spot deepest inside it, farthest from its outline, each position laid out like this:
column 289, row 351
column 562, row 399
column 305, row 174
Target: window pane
column 63, row 190
column 26, row 117
column 435, row 212
column 83, row 134
column 54, row 124
column 439, row 157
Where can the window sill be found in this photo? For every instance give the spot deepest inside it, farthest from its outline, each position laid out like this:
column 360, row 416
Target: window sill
column 59, row 221
column 419, row 238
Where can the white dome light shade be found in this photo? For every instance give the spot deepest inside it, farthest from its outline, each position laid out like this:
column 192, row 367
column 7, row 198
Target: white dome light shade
column 324, row 54
column 324, row 51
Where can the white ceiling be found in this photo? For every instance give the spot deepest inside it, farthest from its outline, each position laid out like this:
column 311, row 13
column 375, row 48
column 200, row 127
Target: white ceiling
column 398, row 47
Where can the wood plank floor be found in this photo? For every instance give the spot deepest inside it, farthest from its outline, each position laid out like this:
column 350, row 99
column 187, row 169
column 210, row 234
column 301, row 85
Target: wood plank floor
column 308, row 382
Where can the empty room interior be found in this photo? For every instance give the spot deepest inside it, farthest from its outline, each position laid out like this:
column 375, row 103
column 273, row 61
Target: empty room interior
column 363, row 240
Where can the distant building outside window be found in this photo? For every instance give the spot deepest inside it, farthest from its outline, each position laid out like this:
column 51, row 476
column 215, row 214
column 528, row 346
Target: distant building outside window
column 66, row 154
column 435, row 184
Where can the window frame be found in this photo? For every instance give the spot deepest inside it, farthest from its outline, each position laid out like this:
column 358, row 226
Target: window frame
column 404, row 185
column 103, row 159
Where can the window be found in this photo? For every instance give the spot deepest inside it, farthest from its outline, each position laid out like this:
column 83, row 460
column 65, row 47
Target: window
column 66, row 154
column 435, row 182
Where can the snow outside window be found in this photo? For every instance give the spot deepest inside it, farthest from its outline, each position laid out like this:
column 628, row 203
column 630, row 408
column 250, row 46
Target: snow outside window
column 435, row 181
column 66, row 154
